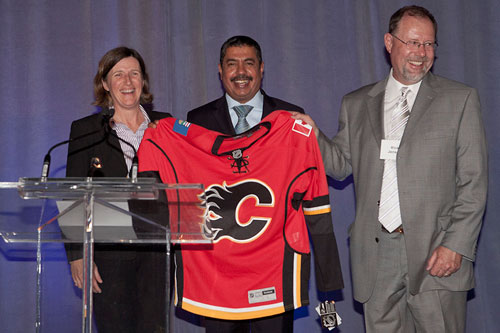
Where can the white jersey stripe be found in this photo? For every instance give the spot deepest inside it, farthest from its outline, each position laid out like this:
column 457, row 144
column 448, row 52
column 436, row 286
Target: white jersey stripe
column 232, row 310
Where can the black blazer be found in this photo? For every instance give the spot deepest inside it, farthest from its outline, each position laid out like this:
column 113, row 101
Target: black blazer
column 90, row 140
column 215, row 115
column 95, row 143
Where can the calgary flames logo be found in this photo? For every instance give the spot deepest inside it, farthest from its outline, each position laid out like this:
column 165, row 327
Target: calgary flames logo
column 233, row 210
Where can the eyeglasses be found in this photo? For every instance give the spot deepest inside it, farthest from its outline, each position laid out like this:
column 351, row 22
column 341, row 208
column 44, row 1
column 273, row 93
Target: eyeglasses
column 413, row 45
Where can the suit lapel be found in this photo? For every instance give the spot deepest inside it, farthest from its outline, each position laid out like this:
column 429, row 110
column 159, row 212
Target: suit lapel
column 116, row 160
column 152, row 115
column 425, row 96
column 268, row 107
column 222, row 117
column 375, row 106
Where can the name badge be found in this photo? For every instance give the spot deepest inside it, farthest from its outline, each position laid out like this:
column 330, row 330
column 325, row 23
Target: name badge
column 389, row 149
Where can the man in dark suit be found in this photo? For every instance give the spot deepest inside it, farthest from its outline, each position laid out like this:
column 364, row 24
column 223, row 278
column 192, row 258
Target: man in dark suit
column 241, row 68
column 415, row 145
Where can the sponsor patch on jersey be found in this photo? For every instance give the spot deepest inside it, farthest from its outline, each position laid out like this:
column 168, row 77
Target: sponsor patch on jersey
column 181, row 127
column 261, row 295
column 302, row 128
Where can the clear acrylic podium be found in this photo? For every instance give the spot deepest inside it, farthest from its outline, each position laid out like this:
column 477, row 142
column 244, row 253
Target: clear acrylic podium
column 103, row 210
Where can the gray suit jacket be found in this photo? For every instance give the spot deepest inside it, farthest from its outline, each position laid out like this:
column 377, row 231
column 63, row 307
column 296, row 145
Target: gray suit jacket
column 442, row 178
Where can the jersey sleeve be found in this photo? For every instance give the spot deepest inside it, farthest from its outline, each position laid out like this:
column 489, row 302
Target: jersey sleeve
column 317, row 213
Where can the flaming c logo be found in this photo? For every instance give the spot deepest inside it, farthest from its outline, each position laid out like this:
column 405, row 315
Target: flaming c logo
column 238, row 212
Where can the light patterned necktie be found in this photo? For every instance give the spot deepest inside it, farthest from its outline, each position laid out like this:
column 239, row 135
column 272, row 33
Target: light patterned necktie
column 389, row 211
column 242, row 111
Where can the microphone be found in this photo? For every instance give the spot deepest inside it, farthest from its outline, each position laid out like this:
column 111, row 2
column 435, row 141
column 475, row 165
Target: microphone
column 107, row 118
column 135, row 159
column 107, row 115
column 95, row 168
column 46, row 160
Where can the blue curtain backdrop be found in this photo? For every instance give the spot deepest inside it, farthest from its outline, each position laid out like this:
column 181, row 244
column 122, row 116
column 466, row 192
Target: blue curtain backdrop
column 314, row 53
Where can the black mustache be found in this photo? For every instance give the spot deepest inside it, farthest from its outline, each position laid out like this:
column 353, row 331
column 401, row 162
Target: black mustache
column 242, row 77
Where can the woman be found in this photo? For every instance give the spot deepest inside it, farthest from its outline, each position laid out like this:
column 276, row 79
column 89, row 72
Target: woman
column 128, row 292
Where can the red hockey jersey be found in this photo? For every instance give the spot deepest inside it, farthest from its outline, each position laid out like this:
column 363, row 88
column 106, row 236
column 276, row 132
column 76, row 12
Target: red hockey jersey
column 264, row 190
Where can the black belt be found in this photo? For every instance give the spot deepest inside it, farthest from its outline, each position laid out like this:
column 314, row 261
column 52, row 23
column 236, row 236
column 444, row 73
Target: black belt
column 398, row 229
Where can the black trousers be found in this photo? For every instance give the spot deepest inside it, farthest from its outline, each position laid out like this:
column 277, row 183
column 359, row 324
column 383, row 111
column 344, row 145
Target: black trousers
column 275, row 324
column 133, row 288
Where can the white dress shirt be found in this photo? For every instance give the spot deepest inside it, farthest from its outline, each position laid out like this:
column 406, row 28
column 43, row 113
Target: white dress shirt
column 254, row 116
column 392, row 94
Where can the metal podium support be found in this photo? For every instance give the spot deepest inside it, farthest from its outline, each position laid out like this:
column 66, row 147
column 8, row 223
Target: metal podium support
column 88, row 197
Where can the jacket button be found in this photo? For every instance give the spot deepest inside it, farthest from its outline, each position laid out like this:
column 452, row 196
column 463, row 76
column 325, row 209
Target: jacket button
column 376, row 239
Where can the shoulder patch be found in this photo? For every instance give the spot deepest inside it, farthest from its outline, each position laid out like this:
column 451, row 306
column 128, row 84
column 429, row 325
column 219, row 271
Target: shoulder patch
column 302, row 128
column 181, row 126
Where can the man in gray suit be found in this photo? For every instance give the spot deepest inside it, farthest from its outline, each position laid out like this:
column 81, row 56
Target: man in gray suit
column 415, row 145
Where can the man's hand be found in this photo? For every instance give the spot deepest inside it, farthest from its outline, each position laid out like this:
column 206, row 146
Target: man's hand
column 77, row 275
column 153, row 124
column 307, row 119
column 443, row 262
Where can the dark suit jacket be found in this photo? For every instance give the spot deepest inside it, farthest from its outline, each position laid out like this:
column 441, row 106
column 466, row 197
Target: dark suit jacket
column 442, row 179
column 215, row 115
column 90, row 140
